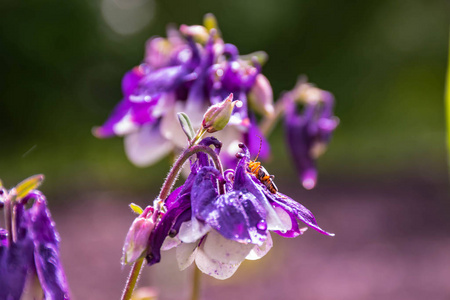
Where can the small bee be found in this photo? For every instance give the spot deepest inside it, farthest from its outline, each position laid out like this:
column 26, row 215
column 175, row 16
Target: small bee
column 254, row 167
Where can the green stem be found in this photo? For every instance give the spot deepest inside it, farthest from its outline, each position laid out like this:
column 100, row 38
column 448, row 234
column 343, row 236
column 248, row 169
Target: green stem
column 196, row 284
column 163, row 194
column 447, row 104
column 132, row 279
column 268, row 123
column 176, row 168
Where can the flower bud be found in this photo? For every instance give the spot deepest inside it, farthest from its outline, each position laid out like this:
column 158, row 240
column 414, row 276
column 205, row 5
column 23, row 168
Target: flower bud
column 261, row 96
column 218, row 115
column 198, row 32
column 137, row 237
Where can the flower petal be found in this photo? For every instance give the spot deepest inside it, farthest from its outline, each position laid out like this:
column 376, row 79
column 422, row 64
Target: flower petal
column 214, row 268
column 185, row 254
column 146, row 146
column 259, row 251
column 291, row 223
column 225, row 250
column 164, row 227
column 17, row 259
column 236, row 216
column 46, row 252
column 170, row 242
column 193, row 230
column 300, row 212
column 244, row 182
column 171, row 129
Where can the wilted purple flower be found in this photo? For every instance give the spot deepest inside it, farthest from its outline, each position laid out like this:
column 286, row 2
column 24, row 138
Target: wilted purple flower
column 308, row 131
column 219, row 230
column 29, row 249
column 188, row 71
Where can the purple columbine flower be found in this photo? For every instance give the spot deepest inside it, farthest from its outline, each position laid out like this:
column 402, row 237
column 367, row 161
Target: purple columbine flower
column 29, row 249
column 308, row 131
column 188, row 71
column 218, row 230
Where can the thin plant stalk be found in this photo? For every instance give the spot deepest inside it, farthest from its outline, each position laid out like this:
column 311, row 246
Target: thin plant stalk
column 133, row 278
column 196, row 278
column 447, row 104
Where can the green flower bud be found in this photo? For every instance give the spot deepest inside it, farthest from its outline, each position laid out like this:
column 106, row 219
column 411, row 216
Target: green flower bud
column 218, row 115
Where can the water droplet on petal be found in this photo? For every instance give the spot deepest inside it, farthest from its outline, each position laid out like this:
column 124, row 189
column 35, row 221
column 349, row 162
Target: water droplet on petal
column 262, row 225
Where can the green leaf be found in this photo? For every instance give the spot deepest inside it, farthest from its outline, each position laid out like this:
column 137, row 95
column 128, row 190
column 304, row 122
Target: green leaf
column 27, row 185
column 186, row 125
column 136, row 208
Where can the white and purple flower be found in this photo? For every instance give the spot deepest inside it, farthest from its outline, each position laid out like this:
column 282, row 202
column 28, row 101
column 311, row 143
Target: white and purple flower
column 218, row 230
column 187, row 72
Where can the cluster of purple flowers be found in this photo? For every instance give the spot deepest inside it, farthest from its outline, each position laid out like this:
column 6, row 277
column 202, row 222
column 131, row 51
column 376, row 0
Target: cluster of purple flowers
column 29, row 249
column 218, row 220
column 188, row 71
column 194, row 68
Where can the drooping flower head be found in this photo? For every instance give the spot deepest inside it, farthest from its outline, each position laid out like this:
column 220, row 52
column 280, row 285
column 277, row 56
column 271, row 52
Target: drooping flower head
column 29, row 246
column 220, row 227
column 188, row 71
column 308, row 131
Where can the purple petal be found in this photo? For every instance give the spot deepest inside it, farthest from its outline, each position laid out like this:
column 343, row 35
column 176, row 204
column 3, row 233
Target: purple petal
column 301, row 141
column 164, row 227
column 204, row 191
column 293, row 230
column 238, row 216
column 130, row 80
column 119, row 112
column 245, row 182
column 254, row 139
column 46, row 252
column 298, row 210
column 17, row 259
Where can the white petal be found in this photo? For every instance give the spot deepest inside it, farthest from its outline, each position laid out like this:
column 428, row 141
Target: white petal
column 170, row 127
column 185, row 254
column 192, row 231
column 125, row 126
column 195, row 111
column 230, row 137
column 146, row 146
column 284, row 218
column 166, row 100
column 224, row 250
column 213, row 267
column 170, row 243
column 277, row 218
column 259, row 251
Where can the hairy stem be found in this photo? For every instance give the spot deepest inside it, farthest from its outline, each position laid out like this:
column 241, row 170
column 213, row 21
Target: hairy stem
column 176, row 168
column 132, row 279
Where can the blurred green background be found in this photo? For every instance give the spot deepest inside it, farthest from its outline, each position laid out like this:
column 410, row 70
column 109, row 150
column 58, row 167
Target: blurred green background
column 62, row 64
column 382, row 187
